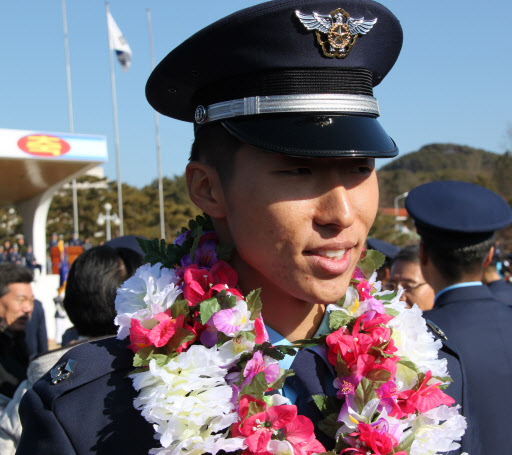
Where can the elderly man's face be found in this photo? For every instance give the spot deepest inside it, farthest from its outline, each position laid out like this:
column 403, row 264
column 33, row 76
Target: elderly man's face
column 417, row 290
column 17, row 305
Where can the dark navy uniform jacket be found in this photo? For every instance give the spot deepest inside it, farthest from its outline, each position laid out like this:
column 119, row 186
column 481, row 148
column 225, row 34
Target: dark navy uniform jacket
column 89, row 412
column 92, row 412
column 481, row 329
column 502, row 291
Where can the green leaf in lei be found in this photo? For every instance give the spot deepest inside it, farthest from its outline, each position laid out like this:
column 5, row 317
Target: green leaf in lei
column 372, row 261
column 180, row 336
column 279, row 382
column 407, row 363
column 208, row 308
column 338, row 319
column 406, row 444
column 254, row 304
column 224, row 252
column 379, row 377
column 145, row 355
column 180, row 307
column 286, row 350
column 364, row 393
column 257, row 387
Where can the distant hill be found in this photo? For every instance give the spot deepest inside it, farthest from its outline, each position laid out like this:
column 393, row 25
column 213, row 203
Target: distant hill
column 446, row 162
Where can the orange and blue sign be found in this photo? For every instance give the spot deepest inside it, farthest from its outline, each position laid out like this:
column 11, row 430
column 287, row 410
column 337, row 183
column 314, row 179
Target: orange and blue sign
column 44, row 145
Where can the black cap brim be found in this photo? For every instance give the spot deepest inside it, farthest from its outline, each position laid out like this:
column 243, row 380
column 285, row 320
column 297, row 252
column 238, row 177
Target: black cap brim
column 315, row 136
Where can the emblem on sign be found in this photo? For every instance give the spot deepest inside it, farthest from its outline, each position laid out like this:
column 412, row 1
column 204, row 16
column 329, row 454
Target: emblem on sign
column 336, row 32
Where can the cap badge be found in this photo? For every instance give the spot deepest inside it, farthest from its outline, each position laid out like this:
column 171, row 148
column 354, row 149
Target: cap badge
column 341, row 30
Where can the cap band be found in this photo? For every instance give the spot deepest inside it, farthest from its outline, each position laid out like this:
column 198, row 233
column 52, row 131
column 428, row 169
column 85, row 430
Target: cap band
column 280, row 104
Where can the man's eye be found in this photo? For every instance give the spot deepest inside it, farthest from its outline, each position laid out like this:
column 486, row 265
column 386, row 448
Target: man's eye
column 297, row 171
column 363, row 170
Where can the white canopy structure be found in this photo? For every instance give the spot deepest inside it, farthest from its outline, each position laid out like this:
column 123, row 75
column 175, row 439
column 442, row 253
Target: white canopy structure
column 34, row 165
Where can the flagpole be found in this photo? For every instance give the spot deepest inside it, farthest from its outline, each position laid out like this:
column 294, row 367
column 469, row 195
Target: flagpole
column 157, row 132
column 116, row 132
column 70, row 110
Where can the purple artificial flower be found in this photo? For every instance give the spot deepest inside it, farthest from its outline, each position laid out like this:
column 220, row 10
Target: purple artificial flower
column 210, row 336
column 346, row 385
column 181, row 238
column 204, row 256
column 258, row 364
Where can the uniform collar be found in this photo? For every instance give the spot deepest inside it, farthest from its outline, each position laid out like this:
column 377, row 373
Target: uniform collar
column 457, row 286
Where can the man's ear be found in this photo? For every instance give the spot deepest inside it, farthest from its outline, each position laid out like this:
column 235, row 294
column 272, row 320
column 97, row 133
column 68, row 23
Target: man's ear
column 489, row 257
column 205, row 189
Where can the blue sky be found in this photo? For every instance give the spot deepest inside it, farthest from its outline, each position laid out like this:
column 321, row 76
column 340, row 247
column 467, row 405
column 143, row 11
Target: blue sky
column 452, row 81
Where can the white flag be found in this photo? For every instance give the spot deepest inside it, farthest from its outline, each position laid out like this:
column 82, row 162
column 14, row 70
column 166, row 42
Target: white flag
column 118, row 43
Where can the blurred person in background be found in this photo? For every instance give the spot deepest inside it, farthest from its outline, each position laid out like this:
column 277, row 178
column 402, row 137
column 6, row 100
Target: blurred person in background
column 16, row 306
column 30, row 260
column 500, row 288
column 91, row 290
column 89, row 301
column 406, row 271
column 387, row 249
column 457, row 222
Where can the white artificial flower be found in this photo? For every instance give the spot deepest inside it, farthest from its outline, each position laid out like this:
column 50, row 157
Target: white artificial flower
column 231, row 350
column 350, row 304
column 150, row 291
column 432, row 437
column 188, row 401
column 277, row 447
column 416, row 343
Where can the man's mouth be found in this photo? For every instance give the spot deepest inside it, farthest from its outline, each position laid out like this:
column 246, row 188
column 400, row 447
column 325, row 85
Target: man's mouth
column 331, row 254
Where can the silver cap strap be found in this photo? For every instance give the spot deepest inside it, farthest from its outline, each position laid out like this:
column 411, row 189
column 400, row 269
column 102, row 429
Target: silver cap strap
column 325, row 104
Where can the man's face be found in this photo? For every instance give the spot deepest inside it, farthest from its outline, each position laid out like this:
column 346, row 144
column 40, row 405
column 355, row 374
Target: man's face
column 17, row 305
column 417, row 290
column 299, row 224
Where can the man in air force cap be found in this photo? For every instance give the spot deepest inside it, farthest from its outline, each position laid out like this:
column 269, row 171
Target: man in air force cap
column 456, row 222
column 286, row 136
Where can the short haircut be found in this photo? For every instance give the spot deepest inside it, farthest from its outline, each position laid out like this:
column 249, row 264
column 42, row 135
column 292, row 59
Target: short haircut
column 215, row 146
column 13, row 273
column 409, row 253
column 91, row 288
column 453, row 263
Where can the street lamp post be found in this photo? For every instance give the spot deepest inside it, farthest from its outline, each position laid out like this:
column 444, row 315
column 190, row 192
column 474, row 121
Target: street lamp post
column 397, row 218
column 108, row 218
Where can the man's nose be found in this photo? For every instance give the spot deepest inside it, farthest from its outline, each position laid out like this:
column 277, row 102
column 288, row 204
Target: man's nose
column 335, row 209
column 28, row 306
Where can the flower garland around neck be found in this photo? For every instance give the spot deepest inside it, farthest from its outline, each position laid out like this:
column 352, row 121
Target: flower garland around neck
column 205, row 366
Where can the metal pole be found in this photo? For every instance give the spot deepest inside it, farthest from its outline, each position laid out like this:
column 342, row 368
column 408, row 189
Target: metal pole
column 108, row 207
column 157, row 132
column 70, row 110
column 116, row 132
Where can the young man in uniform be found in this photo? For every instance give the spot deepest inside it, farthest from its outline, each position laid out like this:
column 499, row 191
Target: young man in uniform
column 281, row 97
column 457, row 221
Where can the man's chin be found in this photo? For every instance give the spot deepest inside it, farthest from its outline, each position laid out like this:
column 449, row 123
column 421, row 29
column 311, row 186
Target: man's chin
column 19, row 325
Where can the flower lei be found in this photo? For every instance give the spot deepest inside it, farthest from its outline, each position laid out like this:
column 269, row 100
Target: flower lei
column 204, row 364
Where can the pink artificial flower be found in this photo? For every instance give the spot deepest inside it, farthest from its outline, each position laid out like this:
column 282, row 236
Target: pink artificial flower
column 200, row 284
column 280, row 422
column 373, row 441
column 154, row 332
column 358, row 275
column 258, row 364
column 364, row 288
column 424, row 398
column 300, row 433
column 261, row 331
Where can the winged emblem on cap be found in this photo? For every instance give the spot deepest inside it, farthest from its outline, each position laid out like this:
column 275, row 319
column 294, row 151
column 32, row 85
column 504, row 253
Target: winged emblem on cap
column 341, row 30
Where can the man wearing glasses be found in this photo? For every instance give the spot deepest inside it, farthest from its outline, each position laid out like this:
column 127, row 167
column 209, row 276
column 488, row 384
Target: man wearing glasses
column 406, row 272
